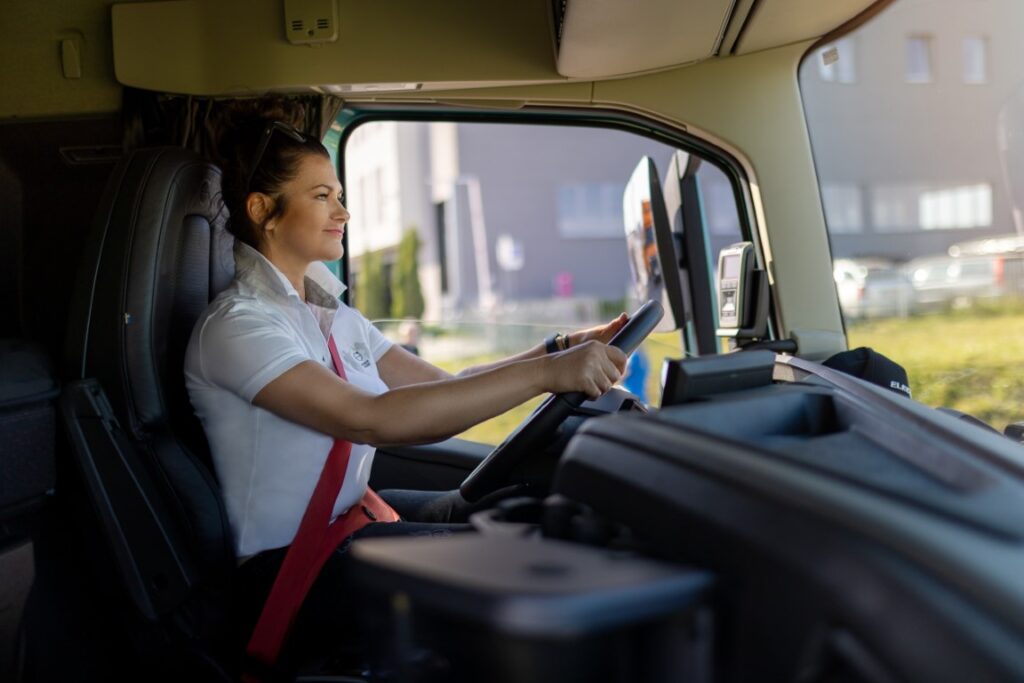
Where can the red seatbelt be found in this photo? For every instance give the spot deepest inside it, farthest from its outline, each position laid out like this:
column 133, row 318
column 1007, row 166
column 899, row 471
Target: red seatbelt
column 314, row 542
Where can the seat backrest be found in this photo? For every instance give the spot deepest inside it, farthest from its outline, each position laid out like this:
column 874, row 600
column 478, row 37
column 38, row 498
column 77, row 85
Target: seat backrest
column 157, row 255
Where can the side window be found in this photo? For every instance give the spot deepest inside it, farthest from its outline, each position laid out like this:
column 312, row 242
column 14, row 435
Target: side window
column 470, row 242
column 921, row 165
column 331, row 141
column 720, row 214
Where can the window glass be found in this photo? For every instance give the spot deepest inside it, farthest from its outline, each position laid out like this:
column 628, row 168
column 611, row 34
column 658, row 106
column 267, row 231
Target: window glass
column 975, row 60
column 719, row 204
column 964, row 206
column 587, row 210
column 912, row 207
column 929, row 270
column 918, row 59
column 331, row 140
column 721, row 216
column 469, row 242
column 843, row 204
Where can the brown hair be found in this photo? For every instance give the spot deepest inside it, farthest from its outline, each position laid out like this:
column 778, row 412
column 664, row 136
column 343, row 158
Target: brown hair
column 279, row 164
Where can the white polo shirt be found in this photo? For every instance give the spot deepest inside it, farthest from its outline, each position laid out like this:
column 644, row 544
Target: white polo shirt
column 254, row 331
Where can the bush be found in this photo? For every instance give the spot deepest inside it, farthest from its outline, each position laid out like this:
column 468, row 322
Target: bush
column 609, row 308
column 371, row 290
column 406, row 295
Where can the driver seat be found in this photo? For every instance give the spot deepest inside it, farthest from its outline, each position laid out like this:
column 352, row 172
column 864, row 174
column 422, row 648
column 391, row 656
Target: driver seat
column 158, row 253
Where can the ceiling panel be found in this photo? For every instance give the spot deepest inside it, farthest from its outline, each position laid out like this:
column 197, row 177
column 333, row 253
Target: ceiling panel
column 780, row 22
column 603, row 38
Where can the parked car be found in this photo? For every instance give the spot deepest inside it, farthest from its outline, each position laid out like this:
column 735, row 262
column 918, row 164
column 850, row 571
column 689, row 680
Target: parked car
column 942, row 282
column 872, row 288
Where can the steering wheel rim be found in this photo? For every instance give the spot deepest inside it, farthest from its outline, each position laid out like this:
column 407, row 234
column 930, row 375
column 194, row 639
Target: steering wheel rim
column 491, row 474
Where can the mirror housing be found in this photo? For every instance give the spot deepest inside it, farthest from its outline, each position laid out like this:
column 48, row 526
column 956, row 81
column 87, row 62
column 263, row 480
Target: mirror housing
column 693, row 258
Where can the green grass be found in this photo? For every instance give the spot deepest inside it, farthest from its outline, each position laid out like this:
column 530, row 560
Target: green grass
column 968, row 360
column 656, row 348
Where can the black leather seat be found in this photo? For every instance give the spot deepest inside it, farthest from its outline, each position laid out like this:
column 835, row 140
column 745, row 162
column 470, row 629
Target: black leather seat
column 157, row 255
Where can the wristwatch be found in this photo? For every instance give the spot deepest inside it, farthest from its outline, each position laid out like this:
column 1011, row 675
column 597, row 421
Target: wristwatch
column 556, row 342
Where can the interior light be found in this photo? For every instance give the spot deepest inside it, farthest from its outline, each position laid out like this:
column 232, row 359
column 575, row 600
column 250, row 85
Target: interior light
column 371, row 87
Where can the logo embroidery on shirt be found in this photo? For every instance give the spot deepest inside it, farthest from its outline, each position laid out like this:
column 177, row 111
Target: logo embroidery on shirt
column 361, row 353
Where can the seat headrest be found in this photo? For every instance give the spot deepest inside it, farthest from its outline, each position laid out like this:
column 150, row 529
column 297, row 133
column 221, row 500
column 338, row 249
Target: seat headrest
column 159, row 254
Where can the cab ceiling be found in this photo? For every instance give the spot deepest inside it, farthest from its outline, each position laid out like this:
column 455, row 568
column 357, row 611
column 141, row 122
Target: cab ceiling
column 608, row 38
column 237, row 47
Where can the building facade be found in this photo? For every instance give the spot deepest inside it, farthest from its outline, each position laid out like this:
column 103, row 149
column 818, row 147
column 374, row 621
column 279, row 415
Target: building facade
column 904, row 118
column 506, row 214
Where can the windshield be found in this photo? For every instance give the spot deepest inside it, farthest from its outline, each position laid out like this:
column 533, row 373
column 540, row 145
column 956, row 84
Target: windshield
column 917, row 126
column 470, row 242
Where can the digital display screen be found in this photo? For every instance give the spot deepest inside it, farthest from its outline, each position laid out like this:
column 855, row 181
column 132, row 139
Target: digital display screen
column 731, row 267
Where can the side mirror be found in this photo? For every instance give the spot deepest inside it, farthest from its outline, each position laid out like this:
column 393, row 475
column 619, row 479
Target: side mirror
column 649, row 245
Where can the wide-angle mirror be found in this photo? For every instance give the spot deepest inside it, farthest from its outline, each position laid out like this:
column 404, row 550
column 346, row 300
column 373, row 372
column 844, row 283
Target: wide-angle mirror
column 648, row 238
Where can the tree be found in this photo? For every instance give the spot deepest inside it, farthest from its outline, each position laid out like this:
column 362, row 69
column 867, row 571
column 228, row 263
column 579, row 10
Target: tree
column 406, row 295
column 371, row 290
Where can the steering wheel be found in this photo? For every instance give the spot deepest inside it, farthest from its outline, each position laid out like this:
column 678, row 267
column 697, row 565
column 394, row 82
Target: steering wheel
column 492, row 473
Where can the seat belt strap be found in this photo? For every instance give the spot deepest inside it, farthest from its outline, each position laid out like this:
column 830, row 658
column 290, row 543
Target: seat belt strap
column 314, row 542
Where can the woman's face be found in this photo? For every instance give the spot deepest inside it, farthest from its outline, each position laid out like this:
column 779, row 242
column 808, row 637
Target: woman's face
column 313, row 221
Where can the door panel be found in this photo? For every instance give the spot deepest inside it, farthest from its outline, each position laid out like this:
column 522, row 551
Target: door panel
column 433, row 467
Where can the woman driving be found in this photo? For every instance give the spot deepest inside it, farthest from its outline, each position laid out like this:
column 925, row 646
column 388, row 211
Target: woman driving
column 289, row 382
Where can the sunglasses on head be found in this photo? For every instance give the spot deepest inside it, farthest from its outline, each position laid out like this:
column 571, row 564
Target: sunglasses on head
column 261, row 149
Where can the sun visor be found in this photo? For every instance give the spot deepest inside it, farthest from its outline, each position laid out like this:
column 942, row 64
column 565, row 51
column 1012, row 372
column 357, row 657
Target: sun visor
column 600, row 38
column 247, row 47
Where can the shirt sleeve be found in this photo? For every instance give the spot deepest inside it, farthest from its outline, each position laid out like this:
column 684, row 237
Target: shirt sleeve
column 378, row 343
column 243, row 351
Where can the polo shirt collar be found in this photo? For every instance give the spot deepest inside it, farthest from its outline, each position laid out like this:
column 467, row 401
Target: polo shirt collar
column 253, row 268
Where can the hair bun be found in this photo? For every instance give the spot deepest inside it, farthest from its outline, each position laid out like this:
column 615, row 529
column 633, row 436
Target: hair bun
column 239, row 124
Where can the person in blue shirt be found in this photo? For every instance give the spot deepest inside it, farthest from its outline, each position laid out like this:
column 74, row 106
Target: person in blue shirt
column 635, row 379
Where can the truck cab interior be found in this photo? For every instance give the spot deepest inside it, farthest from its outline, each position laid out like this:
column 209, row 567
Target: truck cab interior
column 771, row 519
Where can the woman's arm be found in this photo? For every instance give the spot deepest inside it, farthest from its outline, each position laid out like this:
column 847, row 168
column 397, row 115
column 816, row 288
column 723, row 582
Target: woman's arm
column 601, row 333
column 400, row 368
column 312, row 395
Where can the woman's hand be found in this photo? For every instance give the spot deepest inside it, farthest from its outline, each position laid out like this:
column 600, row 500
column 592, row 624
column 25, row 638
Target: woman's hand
column 592, row 367
column 601, row 333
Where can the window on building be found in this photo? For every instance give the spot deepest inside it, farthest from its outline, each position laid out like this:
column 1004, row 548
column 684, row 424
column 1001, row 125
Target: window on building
column 894, row 208
column 975, row 60
column 918, row 68
column 837, row 63
column 967, row 206
column 441, row 233
column 843, row 204
column 590, row 210
column 372, row 199
column 906, row 208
